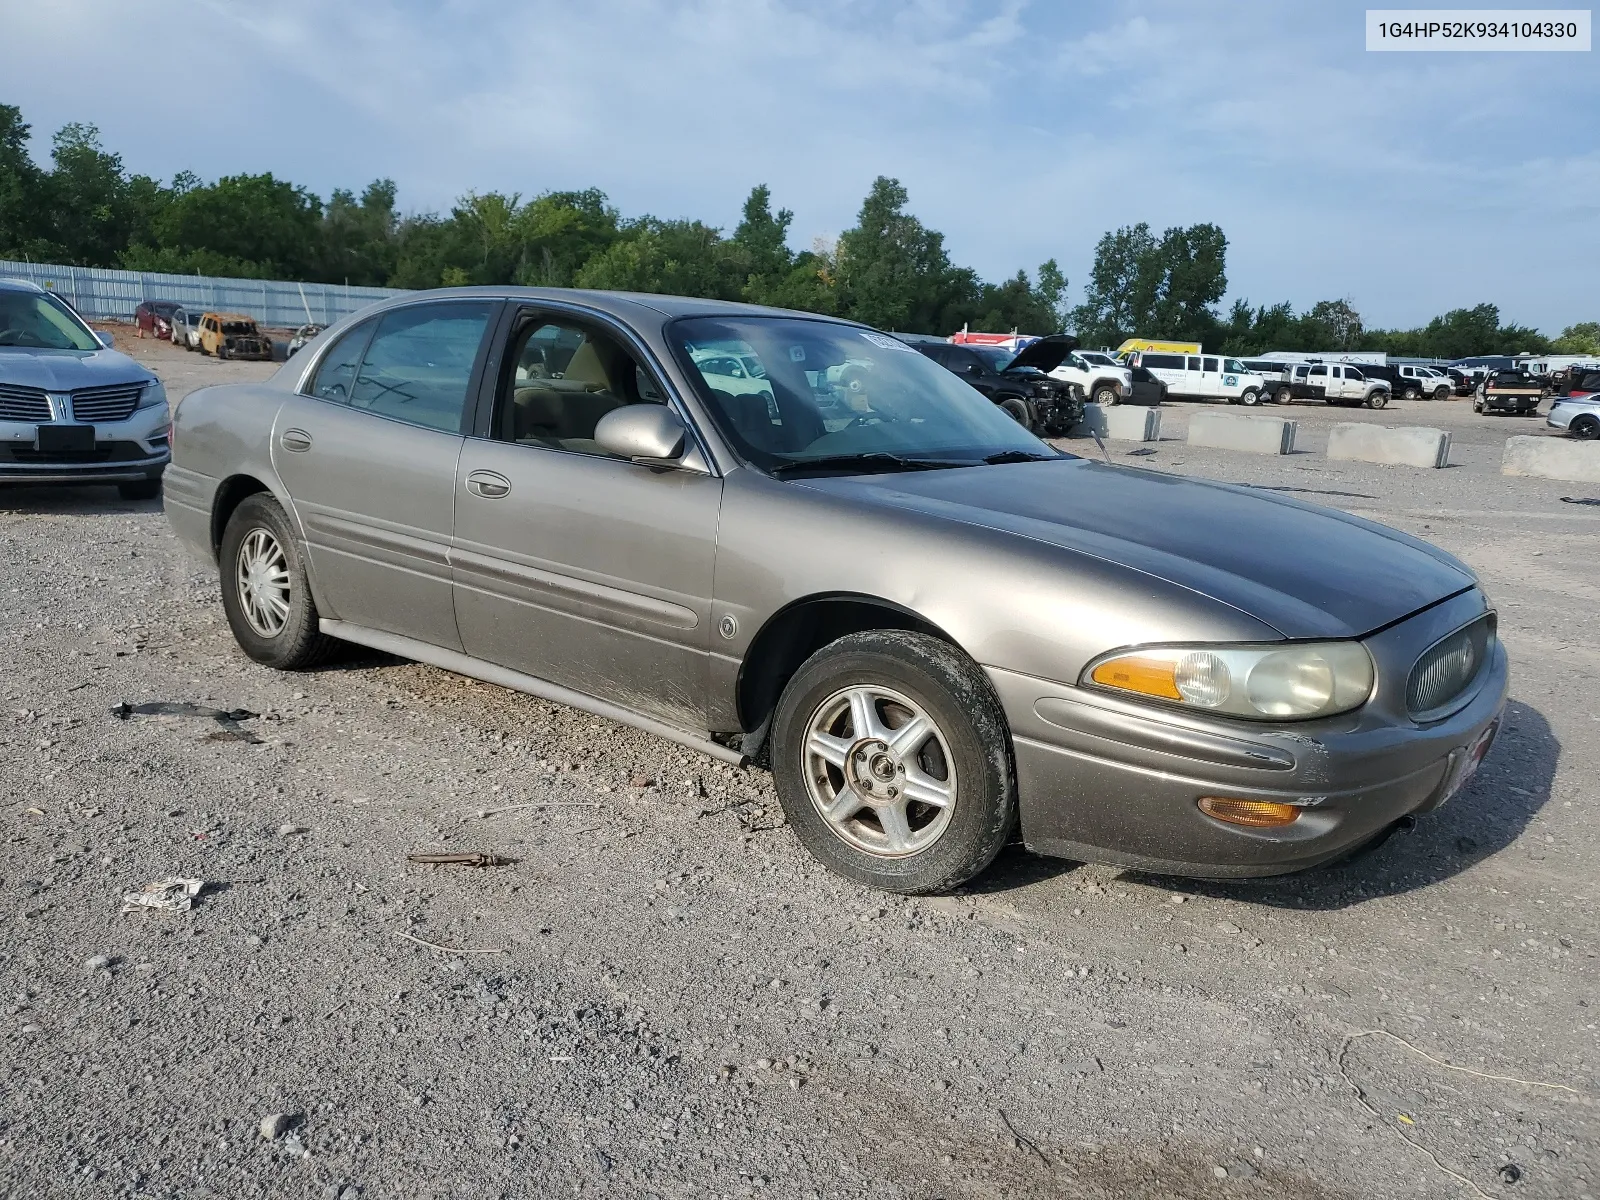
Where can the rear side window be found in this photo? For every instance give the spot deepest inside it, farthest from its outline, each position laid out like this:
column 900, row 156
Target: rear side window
column 1168, row 362
column 1319, row 370
column 1211, row 365
column 337, row 370
column 419, row 364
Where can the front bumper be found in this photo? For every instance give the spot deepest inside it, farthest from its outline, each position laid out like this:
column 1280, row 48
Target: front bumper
column 125, row 452
column 1101, row 779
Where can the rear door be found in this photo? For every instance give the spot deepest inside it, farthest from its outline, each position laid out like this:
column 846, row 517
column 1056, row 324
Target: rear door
column 572, row 565
column 368, row 455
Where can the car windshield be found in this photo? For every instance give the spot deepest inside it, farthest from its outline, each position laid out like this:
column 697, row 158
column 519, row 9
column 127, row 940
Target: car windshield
column 43, row 322
column 827, row 393
column 238, row 327
column 997, row 357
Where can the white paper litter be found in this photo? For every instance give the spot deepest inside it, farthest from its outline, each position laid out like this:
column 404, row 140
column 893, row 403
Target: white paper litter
column 169, row 895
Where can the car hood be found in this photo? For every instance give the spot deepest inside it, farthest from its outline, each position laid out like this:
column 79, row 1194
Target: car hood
column 1046, row 354
column 67, row 370
column 1306, row 571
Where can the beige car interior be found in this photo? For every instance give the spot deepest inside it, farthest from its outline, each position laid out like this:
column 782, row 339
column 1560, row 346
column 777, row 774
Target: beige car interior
column 558, row 405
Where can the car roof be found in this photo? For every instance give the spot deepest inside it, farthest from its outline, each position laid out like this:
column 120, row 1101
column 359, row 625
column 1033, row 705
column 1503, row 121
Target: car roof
column 621, row 305
column 19, row 285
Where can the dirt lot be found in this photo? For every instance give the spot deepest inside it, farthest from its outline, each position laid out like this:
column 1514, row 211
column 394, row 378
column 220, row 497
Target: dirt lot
column 664, row 996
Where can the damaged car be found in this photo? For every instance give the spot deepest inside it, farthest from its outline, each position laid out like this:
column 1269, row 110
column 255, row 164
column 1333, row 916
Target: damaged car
column 233, row 335
column 935, row 630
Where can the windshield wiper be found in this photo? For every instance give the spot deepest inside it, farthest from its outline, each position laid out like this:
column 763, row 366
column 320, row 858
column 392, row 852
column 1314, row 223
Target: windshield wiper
column 877, row 461
column 1016, row 456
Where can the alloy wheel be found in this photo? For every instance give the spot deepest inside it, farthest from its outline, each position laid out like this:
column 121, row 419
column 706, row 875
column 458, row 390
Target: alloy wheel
column 262, row 576
column 878, row 770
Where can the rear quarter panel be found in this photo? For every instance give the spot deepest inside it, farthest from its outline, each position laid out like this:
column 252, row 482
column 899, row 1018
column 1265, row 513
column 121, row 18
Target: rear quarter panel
column 218, row 433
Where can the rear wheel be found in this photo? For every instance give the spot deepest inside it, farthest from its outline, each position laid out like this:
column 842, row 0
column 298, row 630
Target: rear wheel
column 891, row 757
column 264, row 588
column 1585, row 429
column 1017, row 411
column 1281, row 396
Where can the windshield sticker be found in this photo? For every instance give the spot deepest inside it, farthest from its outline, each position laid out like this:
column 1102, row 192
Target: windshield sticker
column 884, row 342
column 797, row 354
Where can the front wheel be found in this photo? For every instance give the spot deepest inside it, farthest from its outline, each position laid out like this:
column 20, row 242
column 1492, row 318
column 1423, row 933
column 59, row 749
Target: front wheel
column 1105, row 395
column 891, row 758
column 1378, row 400
column 1250, row 396
column 265, row 593
column 1017, row 411
column 1411, row 393
column 1441, row 393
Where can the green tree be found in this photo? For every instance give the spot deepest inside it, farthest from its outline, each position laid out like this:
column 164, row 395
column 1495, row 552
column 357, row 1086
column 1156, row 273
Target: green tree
column 257, row 226
column 1121, row 295
column 894, row 272
column 22, row 202
column 1582, row 338
column 1190, row 271
column 763, row 238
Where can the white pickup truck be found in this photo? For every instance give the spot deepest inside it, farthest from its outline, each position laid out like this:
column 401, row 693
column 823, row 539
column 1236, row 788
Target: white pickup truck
column 1417, row 382
column 1203, row 376
column 1102, row 380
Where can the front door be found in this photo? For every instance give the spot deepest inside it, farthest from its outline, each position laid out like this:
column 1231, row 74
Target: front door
column 572, row 565
column 369, row 458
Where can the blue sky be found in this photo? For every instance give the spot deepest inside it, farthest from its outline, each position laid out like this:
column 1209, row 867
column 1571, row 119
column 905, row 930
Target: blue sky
column 1409, row 183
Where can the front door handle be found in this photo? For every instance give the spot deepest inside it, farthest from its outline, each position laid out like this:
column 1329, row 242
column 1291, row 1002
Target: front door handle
column 491, row 485
column 297, row 440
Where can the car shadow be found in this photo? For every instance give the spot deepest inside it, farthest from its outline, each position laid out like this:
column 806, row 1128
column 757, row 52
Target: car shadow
column 83, row 500
column 1486, row 818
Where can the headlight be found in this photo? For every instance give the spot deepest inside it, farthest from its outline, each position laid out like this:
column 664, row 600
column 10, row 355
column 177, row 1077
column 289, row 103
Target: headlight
column 155, row 393
column 1286, row 682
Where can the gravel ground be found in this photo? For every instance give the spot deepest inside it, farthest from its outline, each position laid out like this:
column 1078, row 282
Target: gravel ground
column 663, row 996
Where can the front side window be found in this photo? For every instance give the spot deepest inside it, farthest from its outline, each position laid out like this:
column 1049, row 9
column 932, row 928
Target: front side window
column 337, row 370
column 837, row 393
column 419, row 364
column 566, row 374
column 1233, row 364
column 39, row 320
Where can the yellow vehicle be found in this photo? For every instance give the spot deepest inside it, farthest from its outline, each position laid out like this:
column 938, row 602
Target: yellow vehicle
column 233, row 335
column 1159, row 347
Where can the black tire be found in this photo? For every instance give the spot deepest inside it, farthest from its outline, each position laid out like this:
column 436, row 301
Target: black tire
column 1105, row 395
column 140, row 489
column 1378, row 399
column 222, row 351
column 1281, row 396
column 1477, row 405
column 952, row 691
column 299, row 643
column 1412, row 392
column 1585, row 429
column 1441, row 393
column 1250, row 397
column 1017, row 410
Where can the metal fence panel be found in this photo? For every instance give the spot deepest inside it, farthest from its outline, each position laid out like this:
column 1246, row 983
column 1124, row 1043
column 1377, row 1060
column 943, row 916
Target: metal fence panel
column 103, row 293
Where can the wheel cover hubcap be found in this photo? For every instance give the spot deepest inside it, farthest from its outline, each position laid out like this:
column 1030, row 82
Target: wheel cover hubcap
column 262, row 577
column 878, row 770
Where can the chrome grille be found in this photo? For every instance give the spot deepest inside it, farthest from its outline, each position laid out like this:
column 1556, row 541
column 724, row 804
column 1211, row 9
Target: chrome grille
column 115, row 403
column 23, row 404
column 1448, row 668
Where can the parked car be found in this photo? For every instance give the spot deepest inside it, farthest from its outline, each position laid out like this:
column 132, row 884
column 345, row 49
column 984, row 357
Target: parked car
column 933, row 626
column 73, row 410
column 1412, row 382
column 1578, row 415
column 1509, row 391
column 153, row 318
column 1582, row 381
column 1277, row 378
column 301, row 337
column 233, row 335
column 186, row 328
column 1203, row 376
column 1018, row 383
column 1461, row 383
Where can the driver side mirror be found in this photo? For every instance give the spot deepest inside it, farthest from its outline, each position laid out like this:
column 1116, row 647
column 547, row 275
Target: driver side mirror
column 105, row 340
column 649, row 432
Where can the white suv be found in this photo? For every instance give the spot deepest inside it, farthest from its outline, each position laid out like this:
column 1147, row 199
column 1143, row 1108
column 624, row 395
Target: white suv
column 1417, row 382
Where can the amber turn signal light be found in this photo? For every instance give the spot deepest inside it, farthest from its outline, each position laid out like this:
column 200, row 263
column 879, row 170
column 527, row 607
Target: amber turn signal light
column 1258, row 814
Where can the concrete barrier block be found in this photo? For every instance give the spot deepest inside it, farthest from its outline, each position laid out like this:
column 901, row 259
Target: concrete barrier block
column 1253, row 435
column 1404, row 445
column 1551, row 458
column 1123, row 422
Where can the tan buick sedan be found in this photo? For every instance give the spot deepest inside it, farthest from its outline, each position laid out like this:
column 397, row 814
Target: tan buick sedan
column 932, row 626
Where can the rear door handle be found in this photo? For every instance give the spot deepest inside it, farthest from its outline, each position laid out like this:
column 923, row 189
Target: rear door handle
column 297, row 440
column 491, row 485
